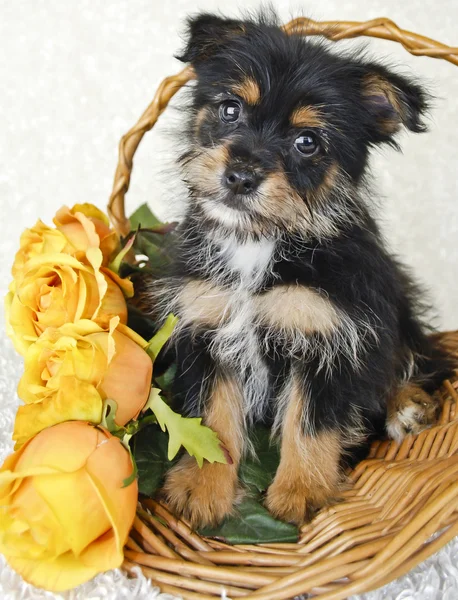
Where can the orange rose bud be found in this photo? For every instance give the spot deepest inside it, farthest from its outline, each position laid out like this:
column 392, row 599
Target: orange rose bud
column 66, row 511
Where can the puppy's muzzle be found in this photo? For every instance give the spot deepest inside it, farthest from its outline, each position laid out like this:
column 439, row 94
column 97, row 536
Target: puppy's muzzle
column 241, row 181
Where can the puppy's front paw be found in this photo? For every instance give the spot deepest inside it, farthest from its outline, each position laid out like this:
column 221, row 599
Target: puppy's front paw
column 411, row 411
column 203, row 496
column 296, row 502
column 288, row 503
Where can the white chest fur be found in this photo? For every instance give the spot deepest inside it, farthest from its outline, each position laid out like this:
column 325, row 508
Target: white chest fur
column 249, row 260
column 235, row 342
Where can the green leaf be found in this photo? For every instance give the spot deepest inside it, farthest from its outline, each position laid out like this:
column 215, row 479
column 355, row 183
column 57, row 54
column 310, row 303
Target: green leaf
column 115, row 264
column 257, row 472
column 153, row 236
column 144, row 217
column 158, row 255
column 251, row 523
column 156, row 343
column 199, row 441
column 165, row 380
column 149, row 448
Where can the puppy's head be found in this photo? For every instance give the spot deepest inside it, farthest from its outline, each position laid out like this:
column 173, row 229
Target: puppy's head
column 280, row 127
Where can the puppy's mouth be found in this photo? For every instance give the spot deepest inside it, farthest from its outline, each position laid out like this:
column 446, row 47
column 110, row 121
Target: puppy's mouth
column 241, row 202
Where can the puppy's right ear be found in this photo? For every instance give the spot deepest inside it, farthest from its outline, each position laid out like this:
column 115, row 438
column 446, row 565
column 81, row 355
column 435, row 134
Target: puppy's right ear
column 206, row 34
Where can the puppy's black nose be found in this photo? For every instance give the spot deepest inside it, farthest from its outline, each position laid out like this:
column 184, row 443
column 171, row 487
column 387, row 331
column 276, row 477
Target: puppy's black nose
column 240, row 182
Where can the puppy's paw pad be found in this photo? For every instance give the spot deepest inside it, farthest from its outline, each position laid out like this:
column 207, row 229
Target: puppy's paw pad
column 414, row 410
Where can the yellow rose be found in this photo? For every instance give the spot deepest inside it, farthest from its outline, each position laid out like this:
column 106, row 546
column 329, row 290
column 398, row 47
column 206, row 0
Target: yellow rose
column 77, row 229
column 66, row 513
column 71, row 370
column 54, row 289
column 39, row 239
column 85, row 226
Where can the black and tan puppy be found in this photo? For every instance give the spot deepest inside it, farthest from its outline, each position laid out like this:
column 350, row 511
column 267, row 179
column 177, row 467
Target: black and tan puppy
column 291, row 310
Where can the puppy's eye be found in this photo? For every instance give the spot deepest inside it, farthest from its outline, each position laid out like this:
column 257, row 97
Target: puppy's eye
column 307, row 143
column 229, row 111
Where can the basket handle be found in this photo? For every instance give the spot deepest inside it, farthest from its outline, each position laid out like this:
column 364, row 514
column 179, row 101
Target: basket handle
column 382, row 28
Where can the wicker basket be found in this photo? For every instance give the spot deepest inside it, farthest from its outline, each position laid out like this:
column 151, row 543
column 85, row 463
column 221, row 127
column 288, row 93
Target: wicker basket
column 402, row 494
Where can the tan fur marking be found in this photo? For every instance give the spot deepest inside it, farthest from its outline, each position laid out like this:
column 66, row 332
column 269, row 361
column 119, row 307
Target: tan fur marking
column 200, row 118
column 205, row 170
column 203, row 303
column 248, row 90
column 281, row 203
column 374, row 85
column 297, row 307
column 309, row 474
column 205, row 496
column 328, row 183
column 306, row 116
column 410, row 410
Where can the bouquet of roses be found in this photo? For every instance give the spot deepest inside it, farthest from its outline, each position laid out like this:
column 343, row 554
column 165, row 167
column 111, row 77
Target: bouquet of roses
column 69, row 491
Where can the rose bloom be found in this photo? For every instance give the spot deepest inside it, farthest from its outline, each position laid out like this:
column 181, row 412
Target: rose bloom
column 77, row 229
column 54, row 289
column 85, row 226
column 71, row 370
column 39, row 239
column 66, row 511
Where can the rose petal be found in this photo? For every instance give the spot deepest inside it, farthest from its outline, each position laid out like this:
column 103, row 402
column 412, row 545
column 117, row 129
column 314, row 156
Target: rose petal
column 75, row 400
column 77, row 508
column 63, row 573
column 119, row 502
column 41, row 450
column 127, row 379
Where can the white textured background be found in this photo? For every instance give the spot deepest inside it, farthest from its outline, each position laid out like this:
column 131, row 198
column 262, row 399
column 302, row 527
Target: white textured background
column 74, row 76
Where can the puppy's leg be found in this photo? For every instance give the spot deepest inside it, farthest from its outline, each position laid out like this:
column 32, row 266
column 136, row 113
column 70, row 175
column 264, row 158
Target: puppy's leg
column 427, row 362
column 205, row 496
column 410, row 410
column 309, row 471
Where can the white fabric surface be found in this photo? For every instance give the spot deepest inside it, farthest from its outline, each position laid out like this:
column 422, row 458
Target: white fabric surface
column 76, row 75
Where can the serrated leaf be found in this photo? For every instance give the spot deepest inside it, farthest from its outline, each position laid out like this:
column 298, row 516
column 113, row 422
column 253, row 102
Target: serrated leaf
column 149, row 448
column 198, row 440
column 144, row 217
column 251, row 523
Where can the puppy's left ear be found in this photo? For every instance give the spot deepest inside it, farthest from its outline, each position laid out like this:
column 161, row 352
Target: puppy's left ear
column 392, row 101
column 206, row 35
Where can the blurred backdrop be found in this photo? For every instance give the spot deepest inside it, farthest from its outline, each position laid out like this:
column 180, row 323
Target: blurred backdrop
column 77, row 75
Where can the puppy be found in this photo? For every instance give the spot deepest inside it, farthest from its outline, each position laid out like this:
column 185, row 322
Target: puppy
column 292, row 312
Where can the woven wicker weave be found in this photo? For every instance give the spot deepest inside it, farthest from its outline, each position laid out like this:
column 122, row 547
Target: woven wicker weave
column 401, row 495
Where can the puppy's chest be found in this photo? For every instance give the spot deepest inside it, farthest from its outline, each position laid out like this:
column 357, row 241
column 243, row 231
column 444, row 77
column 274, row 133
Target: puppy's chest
column 235, row 307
